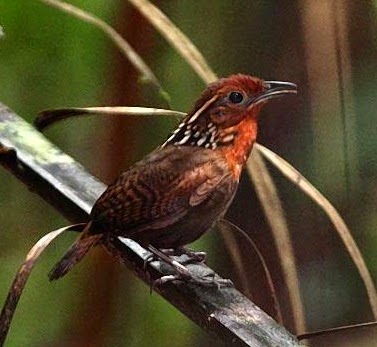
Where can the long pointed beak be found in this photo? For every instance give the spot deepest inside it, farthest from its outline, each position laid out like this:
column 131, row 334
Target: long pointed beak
column 274, row 89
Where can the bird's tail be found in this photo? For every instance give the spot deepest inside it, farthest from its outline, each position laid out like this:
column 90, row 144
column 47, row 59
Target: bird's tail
column 75, row 253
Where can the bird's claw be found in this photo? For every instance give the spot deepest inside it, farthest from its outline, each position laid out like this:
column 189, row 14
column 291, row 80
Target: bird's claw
column 208, row 278
column 165, row 279
column 179, row 276
column 207, row 281
column 192, row 256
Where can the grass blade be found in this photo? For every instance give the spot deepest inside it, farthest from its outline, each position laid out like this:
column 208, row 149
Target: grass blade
column 22, row 276
column 176, row 38
column 49, row 117
column 226, row 228
column 124, row 47
column 275, row 216
column 340, row 226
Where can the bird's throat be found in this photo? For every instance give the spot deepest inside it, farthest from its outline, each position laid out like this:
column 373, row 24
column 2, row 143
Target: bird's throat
column 238, row 153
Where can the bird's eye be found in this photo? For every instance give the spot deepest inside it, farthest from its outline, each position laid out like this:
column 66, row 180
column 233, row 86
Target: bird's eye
column 235, row 97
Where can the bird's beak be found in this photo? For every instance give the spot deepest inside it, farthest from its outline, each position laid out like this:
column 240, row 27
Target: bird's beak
column 274, row 89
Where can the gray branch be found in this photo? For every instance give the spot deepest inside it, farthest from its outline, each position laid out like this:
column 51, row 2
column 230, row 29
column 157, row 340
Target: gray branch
column 66, row 185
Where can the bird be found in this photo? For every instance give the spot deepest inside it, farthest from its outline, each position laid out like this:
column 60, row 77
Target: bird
column 176, row 193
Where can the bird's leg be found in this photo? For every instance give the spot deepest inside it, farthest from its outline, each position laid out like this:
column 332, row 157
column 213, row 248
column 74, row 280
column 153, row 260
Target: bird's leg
column 182, row 273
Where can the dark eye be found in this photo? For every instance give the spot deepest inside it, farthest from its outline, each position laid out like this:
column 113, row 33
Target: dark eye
column 235, row 97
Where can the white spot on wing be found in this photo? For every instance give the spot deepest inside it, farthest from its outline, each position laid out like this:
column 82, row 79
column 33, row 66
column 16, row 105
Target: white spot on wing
column 201, row 141
column 227, row 138
column 212, row 129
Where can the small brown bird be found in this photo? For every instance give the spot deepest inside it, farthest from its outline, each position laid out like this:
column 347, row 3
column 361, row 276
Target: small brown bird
column 177, row 192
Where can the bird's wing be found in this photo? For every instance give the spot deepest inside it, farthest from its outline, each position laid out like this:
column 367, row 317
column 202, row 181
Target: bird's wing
column 153, row 197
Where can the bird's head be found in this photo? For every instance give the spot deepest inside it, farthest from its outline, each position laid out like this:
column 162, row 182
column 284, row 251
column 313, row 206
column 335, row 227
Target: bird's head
column 226, row 113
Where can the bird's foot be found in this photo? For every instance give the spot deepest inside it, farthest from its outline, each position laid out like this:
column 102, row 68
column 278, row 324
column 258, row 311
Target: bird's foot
column 182, row 274
column 207, row 281
column 192, row 256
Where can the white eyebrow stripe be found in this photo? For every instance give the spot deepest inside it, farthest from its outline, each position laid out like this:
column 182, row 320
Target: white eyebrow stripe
column 199, row 112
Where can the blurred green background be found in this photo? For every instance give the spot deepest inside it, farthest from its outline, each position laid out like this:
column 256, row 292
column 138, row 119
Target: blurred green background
column 49, row 59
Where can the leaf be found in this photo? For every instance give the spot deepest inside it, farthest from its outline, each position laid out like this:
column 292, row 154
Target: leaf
column 340, row 226
column 49, row 117
column 275, row 216
column 22, row 276
column 124, row 47
column 176, row 38
column 226, row 227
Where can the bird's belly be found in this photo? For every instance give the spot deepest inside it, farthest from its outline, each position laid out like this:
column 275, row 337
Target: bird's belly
column 176, row 235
